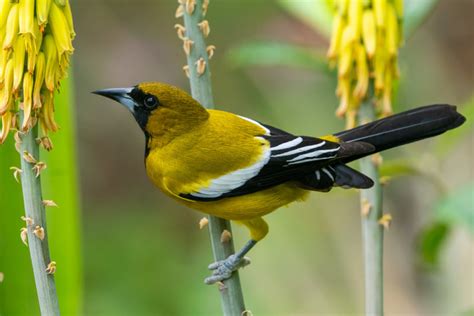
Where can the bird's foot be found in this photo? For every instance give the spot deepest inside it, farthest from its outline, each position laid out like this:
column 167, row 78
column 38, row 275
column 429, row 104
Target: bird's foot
column 222, row 270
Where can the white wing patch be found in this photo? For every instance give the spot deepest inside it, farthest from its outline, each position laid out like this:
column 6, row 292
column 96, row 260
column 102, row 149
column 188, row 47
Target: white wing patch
column 232, row 180
column 301, row 149
column 289, row 144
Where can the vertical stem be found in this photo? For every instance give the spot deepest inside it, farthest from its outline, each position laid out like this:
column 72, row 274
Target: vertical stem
column 34, row 209
column 231, row 293
column 372, row 231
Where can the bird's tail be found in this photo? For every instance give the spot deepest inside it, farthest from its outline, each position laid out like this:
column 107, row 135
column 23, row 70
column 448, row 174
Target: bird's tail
column 403, row 128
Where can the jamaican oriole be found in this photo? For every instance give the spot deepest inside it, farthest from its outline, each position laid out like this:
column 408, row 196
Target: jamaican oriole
column 239, row 169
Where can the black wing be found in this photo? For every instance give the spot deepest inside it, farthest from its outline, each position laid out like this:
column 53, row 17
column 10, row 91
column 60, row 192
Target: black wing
column 292, row 158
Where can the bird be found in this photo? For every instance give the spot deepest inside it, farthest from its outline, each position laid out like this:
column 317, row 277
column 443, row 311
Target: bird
column 240, row 169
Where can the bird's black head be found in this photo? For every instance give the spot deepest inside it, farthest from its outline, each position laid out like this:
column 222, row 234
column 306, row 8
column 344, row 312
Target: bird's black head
column 140, row 103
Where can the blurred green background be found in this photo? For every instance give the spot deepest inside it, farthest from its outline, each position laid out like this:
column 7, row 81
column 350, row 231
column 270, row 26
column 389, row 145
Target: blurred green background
column 145, row 255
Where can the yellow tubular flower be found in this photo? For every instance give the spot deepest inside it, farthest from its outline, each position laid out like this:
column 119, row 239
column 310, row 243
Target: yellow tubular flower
column 345, row 56
column 26, row 16
column 362, row 74
column 3, row 56
column 35, row 49
column 11, row 28
column 6, row 125
column 69, row 19
column 355, row 16
column 48, row 113
column 42, row 11
column 51, row 55
column 27, row 99
column 380, row 8
column 6, row 92
column 337, row 29
column 392, row 37
column 60, row 30
column 18, row 62
column 39, row 79
column 365, row 40
column 369, row 32
column 387, row 94
column 4, row 10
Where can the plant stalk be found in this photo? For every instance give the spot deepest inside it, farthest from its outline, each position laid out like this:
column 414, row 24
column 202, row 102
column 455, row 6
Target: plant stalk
column 231, row 292
column 34, row 209
column 372, row 230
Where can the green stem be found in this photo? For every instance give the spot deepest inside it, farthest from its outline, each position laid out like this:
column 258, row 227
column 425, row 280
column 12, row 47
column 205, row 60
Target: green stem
column 372, row 231
column 34, row 209
column 231, row 293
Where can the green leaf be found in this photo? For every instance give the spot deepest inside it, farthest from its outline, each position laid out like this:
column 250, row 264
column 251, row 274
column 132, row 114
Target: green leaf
column 458, row 208
column 277, row 54
column 431, row 242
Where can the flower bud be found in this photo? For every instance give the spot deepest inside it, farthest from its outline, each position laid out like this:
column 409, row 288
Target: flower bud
column 11, row 28
column 42, row 11
column 5, row 6
column 18, row 62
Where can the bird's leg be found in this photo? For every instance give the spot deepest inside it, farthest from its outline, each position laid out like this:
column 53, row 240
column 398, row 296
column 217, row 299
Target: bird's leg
column 223, row 269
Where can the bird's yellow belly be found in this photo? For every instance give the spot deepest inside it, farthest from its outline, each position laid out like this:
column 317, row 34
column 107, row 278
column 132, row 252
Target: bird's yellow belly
column 243, row 207
column 252, row 205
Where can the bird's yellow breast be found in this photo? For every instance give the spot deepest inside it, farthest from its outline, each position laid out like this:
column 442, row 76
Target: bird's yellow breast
column 223, row 144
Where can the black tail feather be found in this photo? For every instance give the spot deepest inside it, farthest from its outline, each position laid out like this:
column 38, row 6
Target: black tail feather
column 404, row 128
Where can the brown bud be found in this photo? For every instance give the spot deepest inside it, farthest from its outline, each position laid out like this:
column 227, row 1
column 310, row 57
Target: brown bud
column 179, row 12
column 210, row 51
column 28, row 220
column 204, row 27
column 28, row 157
column 39, row 232
column 203, row 222
column 190, row 5
column 51, row 269
column 201, row 66
column 16, row 173
column 365, row 207
column 187, row 44
column 180, row 30
column 385, row 220
column 226, row 236
column 38, row 167
column 24, row 235
column 49, row 203
column 186, row 71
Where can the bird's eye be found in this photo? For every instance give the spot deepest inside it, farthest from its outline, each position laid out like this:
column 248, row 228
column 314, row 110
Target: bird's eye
column 150, row 101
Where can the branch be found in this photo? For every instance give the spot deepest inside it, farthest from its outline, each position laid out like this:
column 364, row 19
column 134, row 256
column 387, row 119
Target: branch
column 199, row 73
column 372, row 230
column 35, row 216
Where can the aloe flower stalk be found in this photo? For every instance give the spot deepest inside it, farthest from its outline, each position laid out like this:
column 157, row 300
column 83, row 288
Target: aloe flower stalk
column 365, row 40
column 35, row 50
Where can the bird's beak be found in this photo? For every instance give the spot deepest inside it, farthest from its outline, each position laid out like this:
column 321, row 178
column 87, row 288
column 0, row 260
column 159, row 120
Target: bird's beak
column 121, row 95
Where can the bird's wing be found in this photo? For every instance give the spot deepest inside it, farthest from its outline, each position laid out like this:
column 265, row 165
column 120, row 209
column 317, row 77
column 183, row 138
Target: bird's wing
column 288, row 157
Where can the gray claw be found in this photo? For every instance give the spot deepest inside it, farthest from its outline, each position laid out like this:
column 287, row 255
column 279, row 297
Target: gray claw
column 222, row 270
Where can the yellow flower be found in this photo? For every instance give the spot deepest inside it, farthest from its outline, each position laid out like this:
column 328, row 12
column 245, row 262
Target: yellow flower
column 365, row 39
column 35, row 49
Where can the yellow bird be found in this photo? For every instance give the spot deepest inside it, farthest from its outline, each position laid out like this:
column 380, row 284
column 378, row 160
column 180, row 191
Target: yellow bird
column 239, row 169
